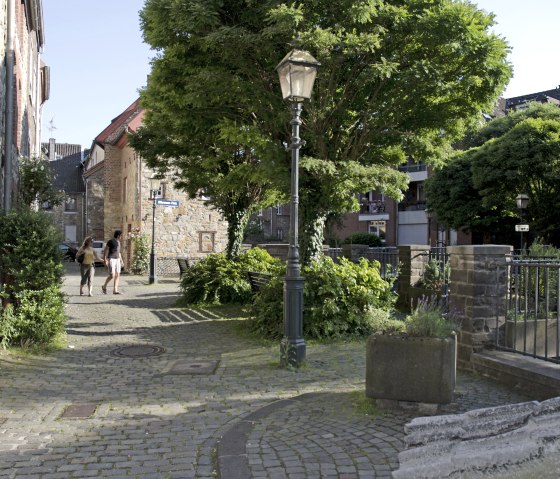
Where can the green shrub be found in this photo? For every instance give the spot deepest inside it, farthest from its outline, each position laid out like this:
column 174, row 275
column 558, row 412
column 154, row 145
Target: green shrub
column 30, row 278
column 140, row 251
column 434, row 275
column 369, row 239
column 339, row 300
column 219, row 280
column 429, row 320
column 37, row 318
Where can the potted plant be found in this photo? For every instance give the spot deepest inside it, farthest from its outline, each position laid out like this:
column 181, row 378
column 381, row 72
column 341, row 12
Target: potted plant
column 418, row 362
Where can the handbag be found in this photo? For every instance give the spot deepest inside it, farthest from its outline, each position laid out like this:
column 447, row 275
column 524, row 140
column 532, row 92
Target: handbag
column 80, row 258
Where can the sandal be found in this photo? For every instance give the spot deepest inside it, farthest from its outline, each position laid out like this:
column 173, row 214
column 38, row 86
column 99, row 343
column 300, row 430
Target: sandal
column 104, row 289
column 117, row 292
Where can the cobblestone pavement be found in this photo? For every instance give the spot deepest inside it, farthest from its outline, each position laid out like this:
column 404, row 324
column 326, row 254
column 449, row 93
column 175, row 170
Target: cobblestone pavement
column 206, row 393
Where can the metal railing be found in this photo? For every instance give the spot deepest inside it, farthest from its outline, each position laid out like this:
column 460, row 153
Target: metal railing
column 531, row 323
column 388, row 257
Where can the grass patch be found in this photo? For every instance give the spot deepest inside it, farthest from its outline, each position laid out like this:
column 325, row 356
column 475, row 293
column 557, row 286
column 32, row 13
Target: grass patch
column 363, row 405
column 59, row 342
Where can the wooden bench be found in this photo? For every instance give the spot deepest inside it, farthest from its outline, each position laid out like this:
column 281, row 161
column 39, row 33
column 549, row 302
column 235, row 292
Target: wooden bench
column 183, row 266
column 258, row 280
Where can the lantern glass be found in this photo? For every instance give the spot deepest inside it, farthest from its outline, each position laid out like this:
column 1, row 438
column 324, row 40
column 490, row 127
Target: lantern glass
column 522, row 201
column 297, row 72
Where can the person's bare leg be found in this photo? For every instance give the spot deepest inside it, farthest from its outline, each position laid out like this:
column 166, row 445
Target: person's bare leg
column 104, row 287
column 116, row 287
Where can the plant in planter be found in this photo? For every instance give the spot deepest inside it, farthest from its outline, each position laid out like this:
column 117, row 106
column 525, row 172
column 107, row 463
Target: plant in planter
column 419, row 362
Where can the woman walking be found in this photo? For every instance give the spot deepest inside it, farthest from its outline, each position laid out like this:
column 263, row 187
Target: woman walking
column 87, row 266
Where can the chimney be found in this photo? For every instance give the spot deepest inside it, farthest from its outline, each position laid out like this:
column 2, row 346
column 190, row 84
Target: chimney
column 52, row 149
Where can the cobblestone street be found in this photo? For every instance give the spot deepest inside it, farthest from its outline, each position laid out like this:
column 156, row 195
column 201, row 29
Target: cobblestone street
column 198, row 394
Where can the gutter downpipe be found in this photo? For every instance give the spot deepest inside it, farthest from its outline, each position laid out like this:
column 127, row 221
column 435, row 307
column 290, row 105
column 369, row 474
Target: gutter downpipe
column 8, row 145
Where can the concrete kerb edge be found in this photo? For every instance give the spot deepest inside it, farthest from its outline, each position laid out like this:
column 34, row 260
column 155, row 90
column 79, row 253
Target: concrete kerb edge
column 232, row 460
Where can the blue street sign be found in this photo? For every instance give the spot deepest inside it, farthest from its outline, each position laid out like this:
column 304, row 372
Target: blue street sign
column 171, row 203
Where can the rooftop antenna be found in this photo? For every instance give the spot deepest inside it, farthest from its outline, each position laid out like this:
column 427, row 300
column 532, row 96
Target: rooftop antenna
column 51, row 126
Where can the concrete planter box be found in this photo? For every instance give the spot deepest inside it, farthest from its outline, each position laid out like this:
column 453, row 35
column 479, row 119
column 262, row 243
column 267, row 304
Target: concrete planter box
column 404, row 368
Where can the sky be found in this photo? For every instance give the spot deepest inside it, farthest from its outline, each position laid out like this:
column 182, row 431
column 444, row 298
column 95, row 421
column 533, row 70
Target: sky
column 99, row 62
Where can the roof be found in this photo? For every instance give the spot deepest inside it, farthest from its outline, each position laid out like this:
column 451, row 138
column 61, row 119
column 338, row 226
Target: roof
column 118, row 125
column 547, row 96
column 68, row 173
column 62, row 149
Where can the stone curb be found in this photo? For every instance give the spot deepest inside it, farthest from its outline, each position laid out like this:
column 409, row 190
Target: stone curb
column 231, row 448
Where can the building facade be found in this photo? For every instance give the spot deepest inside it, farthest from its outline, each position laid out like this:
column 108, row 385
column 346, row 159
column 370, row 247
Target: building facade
column 66, row 163
column 118, row 196
column 24, row 87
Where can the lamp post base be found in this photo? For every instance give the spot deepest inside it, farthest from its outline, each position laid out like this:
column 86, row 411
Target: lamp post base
column 153, row 277
column 292, row 346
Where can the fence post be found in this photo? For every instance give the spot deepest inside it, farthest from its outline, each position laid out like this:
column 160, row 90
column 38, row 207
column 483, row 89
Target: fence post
column 477, row 296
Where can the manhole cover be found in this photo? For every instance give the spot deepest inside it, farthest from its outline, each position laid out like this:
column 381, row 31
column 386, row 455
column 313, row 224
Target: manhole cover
column 77, row 411
column 192, row 367
column 139, row 351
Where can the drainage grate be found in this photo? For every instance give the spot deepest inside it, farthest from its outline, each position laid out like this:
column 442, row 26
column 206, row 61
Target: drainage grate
column 138, row 351
column 77, row 411
column 193, row 367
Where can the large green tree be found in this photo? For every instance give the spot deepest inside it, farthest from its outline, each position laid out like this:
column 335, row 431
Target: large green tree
column 398, row 79
column 518, row 153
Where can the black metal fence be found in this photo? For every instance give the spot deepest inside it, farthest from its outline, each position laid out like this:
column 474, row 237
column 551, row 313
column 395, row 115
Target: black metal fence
column 388, row 258
column 531, row 324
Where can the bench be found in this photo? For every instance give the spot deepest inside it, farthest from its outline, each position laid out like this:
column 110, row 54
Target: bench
column 183, row 266
column 258, row 280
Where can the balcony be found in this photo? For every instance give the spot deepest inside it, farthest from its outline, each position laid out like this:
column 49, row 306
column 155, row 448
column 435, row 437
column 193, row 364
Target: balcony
column 373, row 210
column 417, row 172
column 416, row 206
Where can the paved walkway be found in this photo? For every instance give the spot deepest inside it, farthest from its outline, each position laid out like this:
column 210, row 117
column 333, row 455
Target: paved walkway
column 207, row 401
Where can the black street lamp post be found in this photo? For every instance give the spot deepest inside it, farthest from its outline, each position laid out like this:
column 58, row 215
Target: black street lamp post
column 297, row 73
column 522, row 201
column 155, row 193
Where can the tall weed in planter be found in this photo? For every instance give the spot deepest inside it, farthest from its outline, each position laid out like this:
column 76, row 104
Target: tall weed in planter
column 30, row 277
column 338, row 300
column 140, row 251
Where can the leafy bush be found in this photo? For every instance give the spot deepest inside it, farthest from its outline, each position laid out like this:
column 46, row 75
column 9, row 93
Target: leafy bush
column 429, row 320
column 218, row 280
column 434, row 275
column 37, row 318
column 140, row 251
column 364, row 238
column 339, row 300
column 30, row 278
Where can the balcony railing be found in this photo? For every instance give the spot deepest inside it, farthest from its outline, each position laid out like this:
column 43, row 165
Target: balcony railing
column 412, row 168
column 418, row 206
column 373, row 208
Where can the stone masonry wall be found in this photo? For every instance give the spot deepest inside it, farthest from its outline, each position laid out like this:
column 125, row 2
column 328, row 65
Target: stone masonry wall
column 477, row 295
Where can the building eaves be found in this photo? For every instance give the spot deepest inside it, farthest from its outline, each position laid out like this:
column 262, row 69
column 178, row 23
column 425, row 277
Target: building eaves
column 114, row 131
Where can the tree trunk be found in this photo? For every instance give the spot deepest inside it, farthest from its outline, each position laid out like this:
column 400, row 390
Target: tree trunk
column 311, row 242
column 237, row 222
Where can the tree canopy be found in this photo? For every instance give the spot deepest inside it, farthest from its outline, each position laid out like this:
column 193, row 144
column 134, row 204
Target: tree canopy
column 398, row 79
column 518, row 153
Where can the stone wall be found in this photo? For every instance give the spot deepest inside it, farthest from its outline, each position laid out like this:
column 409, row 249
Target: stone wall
column 477, row 295
column 95, row 205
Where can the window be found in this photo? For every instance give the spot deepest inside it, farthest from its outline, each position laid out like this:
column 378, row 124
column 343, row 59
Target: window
column 70, row 204
column 206, row 241
column 278, row 209
column 124, row 189
column 280, row 234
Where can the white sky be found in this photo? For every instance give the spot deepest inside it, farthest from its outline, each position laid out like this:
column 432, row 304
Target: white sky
column 98, row 60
